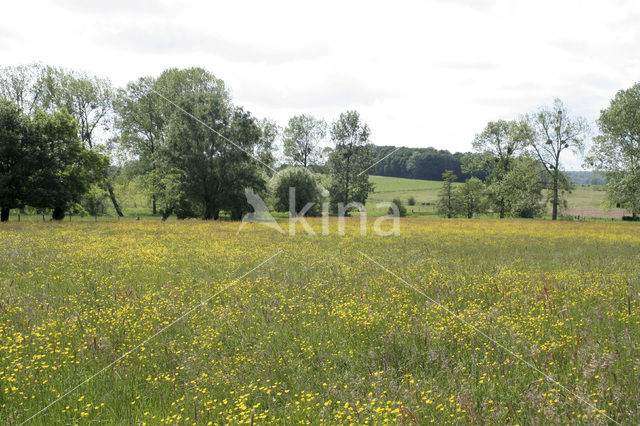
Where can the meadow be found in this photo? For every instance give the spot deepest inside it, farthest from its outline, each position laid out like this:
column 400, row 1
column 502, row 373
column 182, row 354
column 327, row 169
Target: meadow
column 587, row 201
column 452, row 321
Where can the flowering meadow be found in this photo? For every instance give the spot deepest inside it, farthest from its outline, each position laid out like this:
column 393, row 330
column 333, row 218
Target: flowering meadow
column 452, row 321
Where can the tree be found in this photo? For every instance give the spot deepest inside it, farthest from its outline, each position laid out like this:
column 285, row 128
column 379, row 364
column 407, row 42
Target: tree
column 471, row 196
column 500, row 142
column 142, row 118
column 617, row 151
column 167, row 188
column 23, row 84
column 522, row 187
column 306, row 187
column 210, row 141
column 402, row 210
column 239, row 170
column 264, row 149
column 448, row 203
column 301, row 139
column 66, row 168
column 90, row 100
column 15, row 158
column 349, row 160
column 43, row 163
column 552, row 131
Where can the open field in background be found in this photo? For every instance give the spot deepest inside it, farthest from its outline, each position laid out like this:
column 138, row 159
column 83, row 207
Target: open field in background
column 320, row 333
column 387, row 188
column 585, row 200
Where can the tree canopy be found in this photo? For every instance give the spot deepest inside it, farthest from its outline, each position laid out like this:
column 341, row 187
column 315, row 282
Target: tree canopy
column 617, row 151
column 43, row 163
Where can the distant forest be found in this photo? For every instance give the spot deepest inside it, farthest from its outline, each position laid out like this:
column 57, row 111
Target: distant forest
column 418, row 163
column 431, row 163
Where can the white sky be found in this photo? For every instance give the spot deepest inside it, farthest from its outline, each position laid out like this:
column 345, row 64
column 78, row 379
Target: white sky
column 424, row 73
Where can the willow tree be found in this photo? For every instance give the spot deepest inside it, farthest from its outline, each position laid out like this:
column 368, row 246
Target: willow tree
column 350, row 160
column 302, row 138
column 553, row 131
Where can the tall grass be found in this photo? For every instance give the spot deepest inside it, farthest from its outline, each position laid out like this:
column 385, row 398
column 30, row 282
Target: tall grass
column 320, row 333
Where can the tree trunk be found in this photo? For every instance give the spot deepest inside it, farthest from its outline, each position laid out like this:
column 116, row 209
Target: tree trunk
column 166, row 214
column 154, row 204
column 554, row 200
column 4, row 214
column 58, row 213
column 346, row 186
column 209, row 211
column 112, row 196
column 236, row 214
column 502, row 208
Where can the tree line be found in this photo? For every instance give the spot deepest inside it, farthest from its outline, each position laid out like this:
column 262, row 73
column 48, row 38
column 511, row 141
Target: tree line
column 418, row 163
column 65, row 135
column 514, row 161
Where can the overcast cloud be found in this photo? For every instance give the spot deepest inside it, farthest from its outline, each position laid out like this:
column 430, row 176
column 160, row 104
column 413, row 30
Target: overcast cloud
column 427, row 73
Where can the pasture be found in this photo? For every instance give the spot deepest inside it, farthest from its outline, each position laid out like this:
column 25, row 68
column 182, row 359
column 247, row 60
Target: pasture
column 453, row 321
column 587, row 201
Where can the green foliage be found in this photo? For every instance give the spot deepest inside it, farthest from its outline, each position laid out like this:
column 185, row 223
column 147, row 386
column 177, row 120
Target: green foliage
column 402, row 210
column 184, row 126
column 87, row 98
column 16, row 158
column 212, row 167
column 307, row 190
column 416, row 163
column 471, row 197
column 498, row 145
column 551, row 131
column 623, row 189
column 68, row 168
column 448, row 204
column 411, row 201
column 167, row 188
column 522, row 188
column 23, row 85
column 349, row 160
column 265, row 148
column 617, row 151
column 44, row 163
column 95, row 200
column 301, row 139
column 141, row 119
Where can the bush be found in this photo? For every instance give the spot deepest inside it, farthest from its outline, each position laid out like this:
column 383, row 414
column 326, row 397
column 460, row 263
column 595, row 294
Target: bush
column 471, row 197
column 411, row 201
column 402, row 210
column 306, row 187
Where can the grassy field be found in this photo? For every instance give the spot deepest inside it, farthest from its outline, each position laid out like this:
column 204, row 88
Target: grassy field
column 584, row 200
column 425, row 193
column 453, row 321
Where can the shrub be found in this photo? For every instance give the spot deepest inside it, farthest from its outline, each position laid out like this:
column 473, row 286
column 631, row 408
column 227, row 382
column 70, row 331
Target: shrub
column 411, row 201
column 306, row 187
column 402, row 210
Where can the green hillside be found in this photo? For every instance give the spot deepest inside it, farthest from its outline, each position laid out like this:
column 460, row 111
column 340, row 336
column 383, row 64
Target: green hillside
column 584, row 200
column 425, row 193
